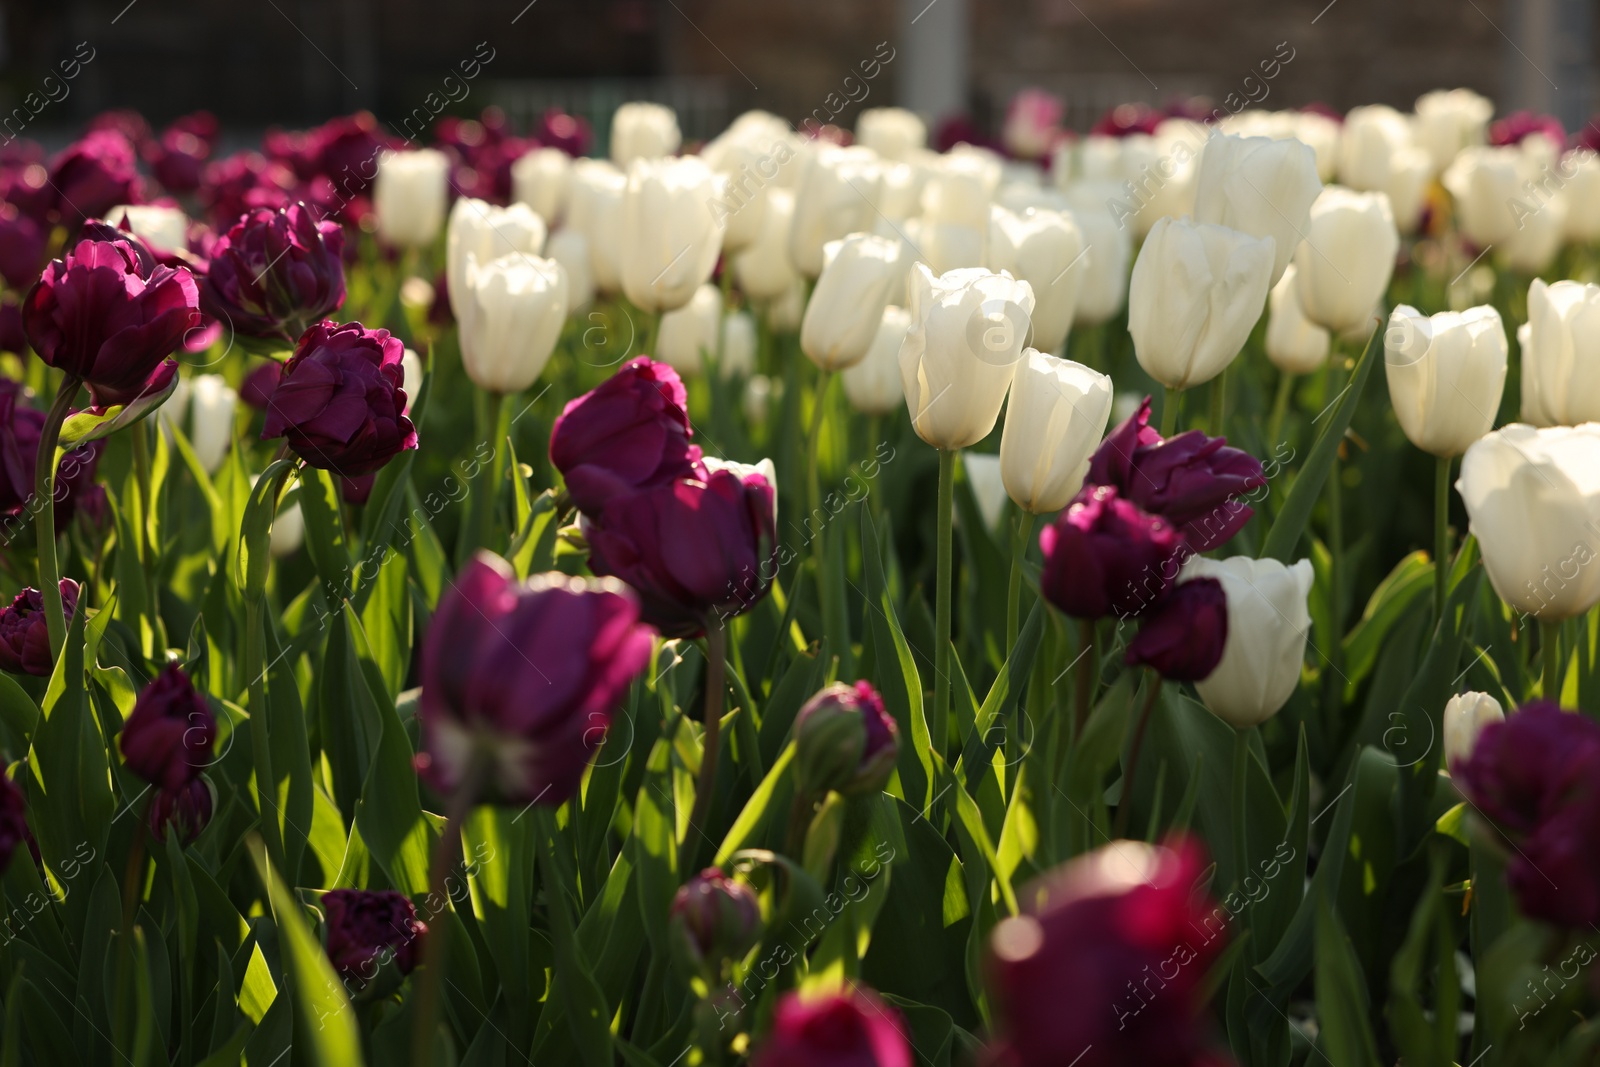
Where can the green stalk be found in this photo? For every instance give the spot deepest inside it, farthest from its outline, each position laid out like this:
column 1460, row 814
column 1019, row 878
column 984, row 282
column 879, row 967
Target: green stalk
column 1550, row 647
column 1019, row 552
column 260, row 742
column 1125, row 803
column 1169, row 411
column 498, row 416
column 1441, row 535
column 1241, row 852
column 941, row 615
column 44, row 476
column 706, row 783
column 1280, row 407
column 1219, row 402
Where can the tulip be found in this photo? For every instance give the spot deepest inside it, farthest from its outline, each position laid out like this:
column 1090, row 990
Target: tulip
column 1448, row 121
column 968, row 330
column 852, row 1027
column 540, row 179
column 844, row 741
column 340, row 401
column 1465, row 716
column 988, row 487
column 482, row 232
column 758, row 394
column 1560, row 373
column 1104, row 555
column 24, row 640
column 107, row 314
column 713, row 919
column 671, row 236
column 1581, row 196
column 1196, row 293
column 834, row 197
column 873, row 385
column 738, row 345
column 92, row 176
column 1378, row 154
column 511, row 315
column 1344, row 266
column 1259, row 186
column 1487, row 184
column 274, row 272
column 697, row 551
column 288, row 532
column 255, row 390
column 185, row 810
column 749, row 161
column 892, row 132
column 1541, row 227
column 167, row 738
column 763, row 268
column 1105, row 281
column 960, row 190
column 520, row 680
column 1053, row 257
column 595, row 210
column 688, row 333
column 570, row 249
column 1533, row 505
column 643, row 131
column 946, row 246
column 786, row 310
column 1183, row 636
column 1446, row 374
column 1099, row 927
column 13, row 821
column 164, row 229
column 22, row 246
column 211, row 410
column 367, row 928
column 1033, row 124
column 1056, row 415
column 411, row 374
column 846, row 307
column 1295, row 344
column 1268, row 622
column 410, row 196
column 627, row 434
column 20, row 429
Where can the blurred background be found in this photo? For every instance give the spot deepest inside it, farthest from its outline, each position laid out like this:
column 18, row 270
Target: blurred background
column 256, row 63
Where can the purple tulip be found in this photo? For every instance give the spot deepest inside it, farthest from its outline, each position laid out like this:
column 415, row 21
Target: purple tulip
column 367, row 928
column 13, row 338
column 1183, row 636
column 630, row 432
column 27, row 185
column 356, row 491
column 94, row 175
column 1520, row 125
column 22, row 245
column 106, row 313
column 235, row 184
column 274, row 272
column 20, row 428
column 24, row 635
column 845, row 740
column 13, row 820
column 1105, row 556
column 178, row 159
column 340, row 401
column 167, row 738
column 1127, row 924
column 569, row 133
column 697, row 551
column 714, row 918
column 524, row 677
column 1124, row 120
column 185, row 811
column 853, row 1028
column 259, row 385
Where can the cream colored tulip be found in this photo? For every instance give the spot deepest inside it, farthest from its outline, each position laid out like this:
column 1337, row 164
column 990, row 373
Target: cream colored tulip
column 1295, row 344
column 738, row 345
column 1582, row 196
column 594, row 209
column 892, row 132
column 1541, row 228
column 1052, row 256
column 1259, row 186
column 1104, row 292
column 570, row 248
column 643, row 131
column 411, row 375
column 212, row 403
column 873, row 385
column 764, row 269
column 1465, row 716
column 409, row 196
column 164, row 229
column 482, row 232
column 1486, row 184
column 510, row 320
column 1448, row 121
column 847, row 304
column 540, row 179
column 1056, row 415
column 1268, row 623
column 988, row 489
column 1560, row 346
column 1446, row 373
column 835, row 195
column 1344, row 266
column 689, row 333
column 786, row 310
column 670, row 234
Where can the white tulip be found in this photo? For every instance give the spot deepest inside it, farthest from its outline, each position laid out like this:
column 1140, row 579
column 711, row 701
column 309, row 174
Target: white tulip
column 482, row 232
column 1487, row 184
column 643, row 131
column 947, row 246
column 1001, row 247
column 164, row 229
column 960, row 190
column 1582, row 196
column 570, row 248
column 1446, row 373
column 968, row 328
column 409, row 196
column 1344, row 266
column 749, row 163
column 1268, row 622
column 1052, row 256
column 1448, row 121
column 1465, row 716
column 688, row 333
column 900, row 192
column 834, row 196
column 892, row 132
column 757, row 400
column 847, row 304
column 410, row 375
column 1055, row 417
column 1160, row 177
column 1295, row 344
column 873, row 385
column 1533, row 503
column 288, row 528
column 988, row 490
column 670, row 233
column 1560, row 346
column 785, row 310
column 211, row 406
column 1323, row 135
column 738, row 345
column 540, row 179
column 1105, row 284
column 176, row 408
column 1532, row 246
column 594, row 209
column 1261, row 187
column 1097, row 159
column 511, row 320
column 1372, row 134
column 764, row 269
column 1196, row 293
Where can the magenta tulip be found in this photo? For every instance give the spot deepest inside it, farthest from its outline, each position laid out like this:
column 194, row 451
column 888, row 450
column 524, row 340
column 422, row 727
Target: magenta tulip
column 845, row 740
column 1183, row 635
column 22, row 245
column 94, row 175
column 184, row 811
column 367, row 928
column 20, row 427
column 167, row 738
column 1105, row 556
column 13, row 821
column 849, row 1029
column 274, row 272
column 714, row 918
column 24, row 638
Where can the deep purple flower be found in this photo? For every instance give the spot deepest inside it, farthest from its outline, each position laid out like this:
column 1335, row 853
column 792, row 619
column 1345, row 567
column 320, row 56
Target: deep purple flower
column 356, row 491
column 13, row 820
column 20, row 429
column 697, row 551
column 569, row 133
column 1106, row 556
column 1128, row 922
column 365, row 928
column 1183, row 635
column 24, row 635
column 630, row 432
column 340, row 402
column 347, row 150
column 186, row 810
column 274, row 272
column 178, row 159
column 524, row 676
column 13, row 338
column 714, row 918
column 853, row 1028
column 259, row 385
column 22, row 245
column 167, row 738
column 1126, row 119
column 233, row 185
column 94, row 175
column 1520, row 125
column 127, row 121
column 27, row 185
column 107, row 314
column 845, row 740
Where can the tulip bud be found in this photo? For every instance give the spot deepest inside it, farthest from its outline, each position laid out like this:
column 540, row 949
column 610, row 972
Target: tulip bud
column 1295, row 344
column 845, row 741
column 511, row 316
column 988, row 487
column 763, row 268
column 481, row 232
column 1465, row 716
column 256, row 389
column 1105, row 556
column 1183, row 636
column 540, row 179
column 93, row 175
column 747, row 162
column 873, row 385
column 563, row 651
column 968, row 330
column 713, row 919
column 1582, row 196
column 738, row 345
column 410, row 195
column 1344, row 266
column 1541, row 227
column 1105, row 282
column 758, row 396
column 1534, row 507
column 689, row 332
column 643, row 131
column 1268, row 622
column 785, row 311
column 365, row 929
column 22, row 247
column 274, row 272
column 570, row 249
column 1033, row 124
column 595, row 210
column 167, row 738
column 1377, row 154
column 24, row 635
column 849, row 1027
column 186, row 810
column 834, row 196
column 960, row 190
column 892, row 132
column 1055, row 418
column 74, row 484
column 211, row 409
column 1259, row 186
column 164, row 229
column 1446, row 374
column 1487, row 184
column 846, row 307
column 13, row 821
column 671, row 236
column 1053, row 257
column 1448, row 121
column 1559, row 385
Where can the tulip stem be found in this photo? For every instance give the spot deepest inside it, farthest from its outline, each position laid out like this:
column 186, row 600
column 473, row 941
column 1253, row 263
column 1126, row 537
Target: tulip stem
column 434, row 956
column 706, row 783
column 260, row 742
column 44, row 500
column 1441, row 535
column 1280, row 407
column 835, row 624
column 1169, row 411
column 1550, row 649
column 1241, row 770
column 1014, row 595
column 941, row 614
column 1219, row 403
column 1125, row 801
column 1083, row 680
column 498, row 420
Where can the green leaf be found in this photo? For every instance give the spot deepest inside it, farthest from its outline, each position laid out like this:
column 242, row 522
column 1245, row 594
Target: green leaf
column 586, row 1010
column 1343, row 1008
column 1404, row 586
column 88, row 425
column 904, row 701
column 255, row 535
